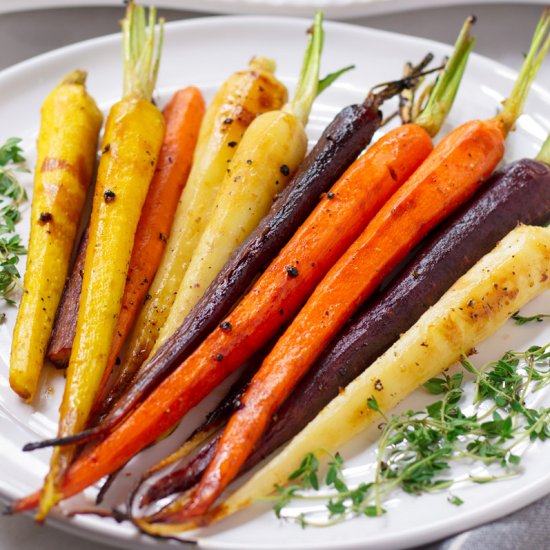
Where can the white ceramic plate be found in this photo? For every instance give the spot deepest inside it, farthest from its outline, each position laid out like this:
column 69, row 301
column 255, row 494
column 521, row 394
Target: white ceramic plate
column 204, row 52
column 338, row 9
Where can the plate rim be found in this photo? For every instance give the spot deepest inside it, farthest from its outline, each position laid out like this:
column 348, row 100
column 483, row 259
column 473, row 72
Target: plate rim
column 342, row 9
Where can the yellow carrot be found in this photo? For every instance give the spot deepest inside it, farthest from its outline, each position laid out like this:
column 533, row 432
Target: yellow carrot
column 130, row 147
column 67, row 149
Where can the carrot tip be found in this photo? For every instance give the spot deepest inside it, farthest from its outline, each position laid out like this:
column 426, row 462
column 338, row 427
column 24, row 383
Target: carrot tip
column 80, row 437
column 33, row 446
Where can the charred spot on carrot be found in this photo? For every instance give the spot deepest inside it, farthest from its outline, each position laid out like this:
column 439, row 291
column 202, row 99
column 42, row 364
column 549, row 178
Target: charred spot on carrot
column 45, row 217
column 109, row 196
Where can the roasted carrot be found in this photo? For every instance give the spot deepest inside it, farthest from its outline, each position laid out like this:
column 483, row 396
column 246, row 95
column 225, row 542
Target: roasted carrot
column 352, row 126
column 130, row 147
column 518, row 193
column 64, row 326
column 449, row 176
column 67, row 150
column 340, row 217
column 518, row 271
column 182, row 117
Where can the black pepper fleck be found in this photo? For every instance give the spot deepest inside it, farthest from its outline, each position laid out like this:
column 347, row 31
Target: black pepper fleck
column 148, row 297
column 107, row 148
column 219, row 357
column 228, row 121
column 330, row 195
column 285, row 170
column 109, row 195
column 232, row 144
column 378, row 385
column 248, row 161
column 292, row 271
column 226, row 325
column 45, row 217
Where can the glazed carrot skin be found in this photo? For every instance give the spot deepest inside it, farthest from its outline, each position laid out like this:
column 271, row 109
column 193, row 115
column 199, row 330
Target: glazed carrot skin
column 336, row 222
column 450, row 175
column 64, row 327
column 182, row 117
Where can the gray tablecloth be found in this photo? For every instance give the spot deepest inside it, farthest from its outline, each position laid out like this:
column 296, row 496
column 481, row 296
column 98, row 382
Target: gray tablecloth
column 503, row 31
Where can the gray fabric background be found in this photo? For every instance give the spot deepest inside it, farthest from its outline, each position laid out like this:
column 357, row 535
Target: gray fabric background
column 503, row 32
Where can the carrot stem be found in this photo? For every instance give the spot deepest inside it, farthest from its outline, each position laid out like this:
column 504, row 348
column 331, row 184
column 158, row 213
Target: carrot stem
column 513, row 106
column 141, row 49
column 544, row 153
column 308, row 82
column 444, row 92
column 309, row 86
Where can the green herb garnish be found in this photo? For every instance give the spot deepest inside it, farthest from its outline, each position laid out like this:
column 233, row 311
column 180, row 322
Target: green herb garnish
column 11, row 249
column 416, row 448
column 520, row 320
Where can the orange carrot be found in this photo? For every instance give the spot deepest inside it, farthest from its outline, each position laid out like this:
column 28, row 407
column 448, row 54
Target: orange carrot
column 182, row 116
column 340, row 217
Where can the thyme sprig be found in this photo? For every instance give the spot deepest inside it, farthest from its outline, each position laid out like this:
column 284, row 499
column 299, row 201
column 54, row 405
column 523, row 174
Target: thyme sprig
column 11, row 162
column 416, row 448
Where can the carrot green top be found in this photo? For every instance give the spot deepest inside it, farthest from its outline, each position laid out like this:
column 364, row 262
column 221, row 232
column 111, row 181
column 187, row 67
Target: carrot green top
column 141, row 47
column 444, row 92
column 309, row 86
column 513, row 106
